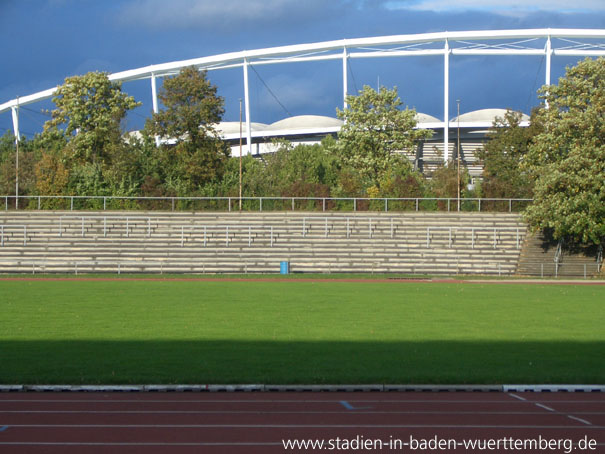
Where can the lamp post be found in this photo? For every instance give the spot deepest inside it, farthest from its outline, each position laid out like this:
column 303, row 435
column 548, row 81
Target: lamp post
column 458, row 151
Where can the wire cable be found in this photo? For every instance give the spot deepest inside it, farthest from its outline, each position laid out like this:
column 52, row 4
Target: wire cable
column 271, row 92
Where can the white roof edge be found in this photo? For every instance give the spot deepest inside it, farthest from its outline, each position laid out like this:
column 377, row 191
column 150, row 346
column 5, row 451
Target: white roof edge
column 170, row 67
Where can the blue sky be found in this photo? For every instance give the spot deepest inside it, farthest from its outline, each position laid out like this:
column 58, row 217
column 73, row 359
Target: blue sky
column 44, row 41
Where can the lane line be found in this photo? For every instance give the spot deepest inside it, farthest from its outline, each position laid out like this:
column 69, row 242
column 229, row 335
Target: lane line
column 284, row 412
column 261, row 401
column 92, row 443
column 545, row 407
column 293, row 426
column 517, row 397
column 583, row 421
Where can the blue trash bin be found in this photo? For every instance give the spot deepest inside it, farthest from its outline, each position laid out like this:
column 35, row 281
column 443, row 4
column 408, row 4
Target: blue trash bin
column 284, row 267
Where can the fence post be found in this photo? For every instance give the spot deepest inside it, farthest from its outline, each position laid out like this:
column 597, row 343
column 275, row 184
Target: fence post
column 416, row 204
column 324, row 204
column 261, row 204
column 355, row 204
column 386, row 204
column 479, row 204
column 6, row 203
column 510, row 205
column 72, row 203
column 38, row 202
column 229, row 201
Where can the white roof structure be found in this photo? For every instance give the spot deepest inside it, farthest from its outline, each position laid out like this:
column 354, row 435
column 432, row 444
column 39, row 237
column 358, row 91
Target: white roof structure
column 533, row 42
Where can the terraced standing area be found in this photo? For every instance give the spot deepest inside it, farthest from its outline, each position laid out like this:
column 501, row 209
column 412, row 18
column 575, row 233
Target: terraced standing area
column 181, row 242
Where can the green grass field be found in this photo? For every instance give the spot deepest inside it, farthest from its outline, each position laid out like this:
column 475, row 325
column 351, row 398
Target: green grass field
column 92, row 332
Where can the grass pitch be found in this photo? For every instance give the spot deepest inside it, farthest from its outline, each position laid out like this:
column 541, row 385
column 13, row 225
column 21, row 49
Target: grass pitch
column 135, row 331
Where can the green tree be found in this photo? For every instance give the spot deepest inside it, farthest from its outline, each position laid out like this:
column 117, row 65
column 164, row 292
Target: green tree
column 375, row 129
column 503, row 154
column 193, row 152
column 567, row 159
column 89, row 110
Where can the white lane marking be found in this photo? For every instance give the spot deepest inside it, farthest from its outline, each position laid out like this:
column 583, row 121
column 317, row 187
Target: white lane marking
column 517, row 397
column 545, row 407
column 297, row 426
column 583, row 421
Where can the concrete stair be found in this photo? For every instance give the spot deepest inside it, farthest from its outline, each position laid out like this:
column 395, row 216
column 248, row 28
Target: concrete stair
column 211, row 242
column 538, row 259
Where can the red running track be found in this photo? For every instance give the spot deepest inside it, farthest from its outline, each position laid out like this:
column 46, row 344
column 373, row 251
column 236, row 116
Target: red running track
column 259, row 422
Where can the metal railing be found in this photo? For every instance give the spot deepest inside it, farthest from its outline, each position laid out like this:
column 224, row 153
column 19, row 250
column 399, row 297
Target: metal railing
column 496, row 231
column 450, row 230
column 306, row 225
column 3, row 227
column 259, row 203
column 206, row 228
column 126, row 218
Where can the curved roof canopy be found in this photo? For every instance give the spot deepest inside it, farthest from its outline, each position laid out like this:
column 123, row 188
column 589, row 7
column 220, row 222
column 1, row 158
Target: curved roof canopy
column 484, row 116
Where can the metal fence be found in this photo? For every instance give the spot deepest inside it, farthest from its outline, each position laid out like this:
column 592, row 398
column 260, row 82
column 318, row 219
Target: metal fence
column 45, row 202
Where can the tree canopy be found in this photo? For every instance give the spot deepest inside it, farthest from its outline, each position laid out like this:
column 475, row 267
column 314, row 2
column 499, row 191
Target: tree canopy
column 90, row 108
column 191, row 111
column 375, row 129
column 503, row 154
column 567, row 158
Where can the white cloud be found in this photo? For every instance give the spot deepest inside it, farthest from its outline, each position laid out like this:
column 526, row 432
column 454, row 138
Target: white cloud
column 498, row 6
column 213, row 13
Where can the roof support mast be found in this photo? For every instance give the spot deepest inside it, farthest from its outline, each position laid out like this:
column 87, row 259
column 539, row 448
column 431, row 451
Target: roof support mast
column 548, row 62
column 15, row 113
column 345, row 81
column 446, row 98
column 154, row 100
column 247, row 106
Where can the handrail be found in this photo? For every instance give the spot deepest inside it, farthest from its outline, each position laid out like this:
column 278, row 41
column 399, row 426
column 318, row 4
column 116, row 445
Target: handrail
column 205, row 228
column 347, row 218
column 83, row 217
column 229, row 200
column 3, row 226
column 472, row 229
column 599, row 258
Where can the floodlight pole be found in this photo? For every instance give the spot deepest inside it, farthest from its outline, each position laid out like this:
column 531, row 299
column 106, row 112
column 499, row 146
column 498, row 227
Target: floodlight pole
column 458, row 152
column 240, row 154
